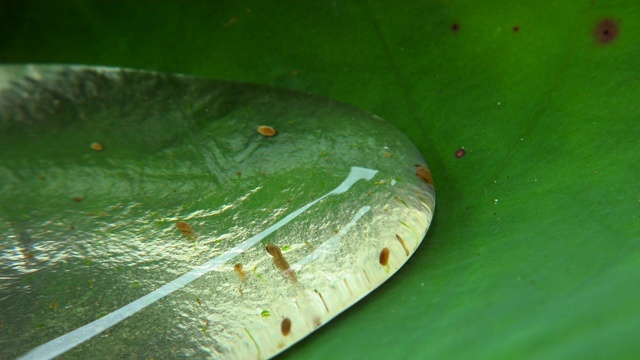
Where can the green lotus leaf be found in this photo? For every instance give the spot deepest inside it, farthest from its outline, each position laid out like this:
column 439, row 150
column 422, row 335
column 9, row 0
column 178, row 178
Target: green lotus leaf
column 534, row 249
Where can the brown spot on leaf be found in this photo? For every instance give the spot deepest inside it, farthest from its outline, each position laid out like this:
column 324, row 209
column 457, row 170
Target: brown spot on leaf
column 606, row 31
column 455, row 27
column 460, row 152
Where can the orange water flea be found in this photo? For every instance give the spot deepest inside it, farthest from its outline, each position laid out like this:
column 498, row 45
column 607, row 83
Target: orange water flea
column 285, row 326
column 280, row 262
column 384, row 257
column 267, row 131
column 186, row 229
column 423, row 173
column 241, row 273
column 97, row 146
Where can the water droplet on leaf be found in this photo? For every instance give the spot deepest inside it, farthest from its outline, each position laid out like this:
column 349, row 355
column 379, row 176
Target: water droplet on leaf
column 185, row 158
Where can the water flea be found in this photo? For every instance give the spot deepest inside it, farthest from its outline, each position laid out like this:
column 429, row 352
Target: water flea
column 404, row 245
column 267, row 131
column 78, row 198
column 384, row 257
column 97, row 146
column 183, row 226
column 241, row 273
column 198, row 301
column 387, row 154
column 423, row 173
column 285, row 326
column 606, row 31
column 280, row 262
column 185, row 229
column 71, row 227
column 309, row 245
column 460, row 152
column 53, row 306
column 455, row 27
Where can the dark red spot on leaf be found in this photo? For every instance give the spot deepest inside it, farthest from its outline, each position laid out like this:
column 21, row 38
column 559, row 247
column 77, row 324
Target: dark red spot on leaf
column 606, row 31
column 455, row 27
column 516, row 28
column 460, row 153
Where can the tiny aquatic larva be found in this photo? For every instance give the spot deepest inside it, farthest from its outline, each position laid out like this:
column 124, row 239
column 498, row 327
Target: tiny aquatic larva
column 384, row 257
column 404, row 245
column 267, row 131
column 280, row 262
column 241, row 273
column 285, row 326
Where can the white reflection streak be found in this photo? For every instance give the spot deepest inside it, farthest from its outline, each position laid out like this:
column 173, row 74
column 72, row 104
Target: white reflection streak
column 76, row 337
